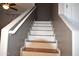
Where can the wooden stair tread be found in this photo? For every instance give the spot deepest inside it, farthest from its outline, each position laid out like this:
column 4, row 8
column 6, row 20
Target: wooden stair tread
column 41, row 50
column 40, row 43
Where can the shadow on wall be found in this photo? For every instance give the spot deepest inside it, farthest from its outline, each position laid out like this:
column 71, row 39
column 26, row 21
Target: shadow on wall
column 63, row 33
column 43, row 11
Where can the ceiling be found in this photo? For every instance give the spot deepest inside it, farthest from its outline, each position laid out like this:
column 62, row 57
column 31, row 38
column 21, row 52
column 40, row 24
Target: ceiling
column 22, row 7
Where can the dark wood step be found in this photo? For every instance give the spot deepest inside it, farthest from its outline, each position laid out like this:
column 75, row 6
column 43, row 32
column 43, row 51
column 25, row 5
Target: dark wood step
column 41, row 50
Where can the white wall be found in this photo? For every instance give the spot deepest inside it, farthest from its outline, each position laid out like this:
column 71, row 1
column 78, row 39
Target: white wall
column 70, row 11
column 75, row 13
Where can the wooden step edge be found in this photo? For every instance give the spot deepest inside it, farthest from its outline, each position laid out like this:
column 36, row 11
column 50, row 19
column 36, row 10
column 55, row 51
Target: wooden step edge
column 41, row 50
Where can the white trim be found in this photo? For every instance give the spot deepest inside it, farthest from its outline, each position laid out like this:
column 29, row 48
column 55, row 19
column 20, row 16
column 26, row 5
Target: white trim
column 69, row 25
column 66, row 22
column 4, row 39
column 73, row 44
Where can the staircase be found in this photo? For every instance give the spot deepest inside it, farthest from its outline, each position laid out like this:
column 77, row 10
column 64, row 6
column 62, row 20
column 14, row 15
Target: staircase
column 41, row 40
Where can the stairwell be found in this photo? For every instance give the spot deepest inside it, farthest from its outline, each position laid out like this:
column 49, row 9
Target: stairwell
column 41, row 40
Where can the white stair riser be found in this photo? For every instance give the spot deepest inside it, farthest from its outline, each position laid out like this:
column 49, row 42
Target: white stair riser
column 42, row 28
column 46, row 38
column 53, row 45
column 42, row 32
column 43, row 22
column 42, row 25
